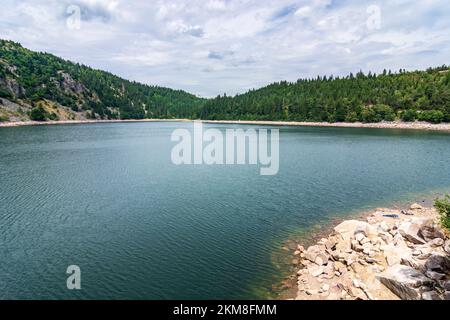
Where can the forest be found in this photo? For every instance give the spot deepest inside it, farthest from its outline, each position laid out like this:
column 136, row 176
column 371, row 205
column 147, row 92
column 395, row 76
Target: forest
column 31, row 77
column 407, row 96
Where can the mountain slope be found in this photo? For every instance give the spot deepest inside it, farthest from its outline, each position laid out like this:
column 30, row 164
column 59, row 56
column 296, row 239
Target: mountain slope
column 59, row 89
column 41, row 86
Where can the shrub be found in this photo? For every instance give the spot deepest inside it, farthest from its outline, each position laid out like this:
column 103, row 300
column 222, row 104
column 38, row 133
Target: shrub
column 408, row 115
column 433, row 116
column 377, row 113
column 385, row 112
column 351, row 117
column 443, row 207
column 3, row 118
column 369, row 115
column 38, row 114
column 5, row 94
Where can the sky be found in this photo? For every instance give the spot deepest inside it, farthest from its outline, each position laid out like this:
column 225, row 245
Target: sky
column 212, row 47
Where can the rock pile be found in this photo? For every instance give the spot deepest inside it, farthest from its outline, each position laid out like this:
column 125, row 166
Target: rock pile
column 394, row 255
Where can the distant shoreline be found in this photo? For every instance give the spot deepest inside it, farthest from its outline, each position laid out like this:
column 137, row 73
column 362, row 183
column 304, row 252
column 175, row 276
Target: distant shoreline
column 380, row 125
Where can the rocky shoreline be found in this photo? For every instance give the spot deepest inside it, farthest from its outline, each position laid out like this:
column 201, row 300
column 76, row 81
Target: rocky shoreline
column 62, row 122
column 381, row 125
column 417, row 125
column 393, row 254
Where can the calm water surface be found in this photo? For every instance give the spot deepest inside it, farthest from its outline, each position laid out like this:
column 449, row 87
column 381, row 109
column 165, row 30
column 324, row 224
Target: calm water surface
column 107, row 198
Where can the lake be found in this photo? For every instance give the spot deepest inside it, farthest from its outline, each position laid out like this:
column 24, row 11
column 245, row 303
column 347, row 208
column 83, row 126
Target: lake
column 108, row 198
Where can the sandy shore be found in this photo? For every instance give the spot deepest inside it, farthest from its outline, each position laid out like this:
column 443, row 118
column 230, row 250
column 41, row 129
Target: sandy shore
column 381, row 125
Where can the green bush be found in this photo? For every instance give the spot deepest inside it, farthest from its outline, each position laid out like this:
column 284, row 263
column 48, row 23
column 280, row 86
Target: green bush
column 5, row 94
column 3, row 118
column 385, row 112
column 38, row 114
column 443, row 207
column 369, row 115
column 433, row 116
column 408, row 115
column 351, row 117
column 377, row 113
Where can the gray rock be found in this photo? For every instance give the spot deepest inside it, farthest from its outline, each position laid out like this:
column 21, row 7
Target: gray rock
column 387, row 237
column 312, row 292
column 404, row 281
column 437, row 242
column 429, row 231
column 383, row 227
column 447, row 285
column 413, row 263
column 447, row 295
column 359, row 237
column 438, row 263
column 331, row 242
column 321, row 259
column 312, row 253
column 447, row 246
column 315, row 270
column 431, row 295
column 410, row 231
column 435, row 275
column 424, row 256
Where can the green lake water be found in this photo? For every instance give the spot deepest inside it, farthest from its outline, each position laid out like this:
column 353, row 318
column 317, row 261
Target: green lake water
column 106, row 197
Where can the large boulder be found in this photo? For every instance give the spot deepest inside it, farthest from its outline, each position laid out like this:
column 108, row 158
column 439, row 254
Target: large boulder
column 410, row 231
column 431, row 295
column 413, row 263
column 430, row 231
column 404, row 281
column 394, row 254
column 438, row 263
column 349, row 228
column 313, row 252
column 315, row 270
column 447, row 246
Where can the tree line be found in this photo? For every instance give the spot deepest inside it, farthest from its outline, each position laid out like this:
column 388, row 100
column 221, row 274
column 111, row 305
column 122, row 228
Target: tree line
column 409, row 96
column 416, row 95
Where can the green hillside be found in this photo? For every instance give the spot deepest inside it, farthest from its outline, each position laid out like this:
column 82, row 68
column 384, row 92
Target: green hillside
column 43, row 87
column 32, row 80
column 422, row 95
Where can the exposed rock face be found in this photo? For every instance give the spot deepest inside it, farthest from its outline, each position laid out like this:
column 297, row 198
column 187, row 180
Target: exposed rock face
column 404, row 281
column 11, row 85
column 395, row 255
column 410, row 231
column 70, row 85
column 447, row 246
column 438, row 263
column 430, row 231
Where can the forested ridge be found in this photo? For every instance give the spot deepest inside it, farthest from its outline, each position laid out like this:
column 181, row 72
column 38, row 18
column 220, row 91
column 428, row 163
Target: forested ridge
column 41, row 83
column 31, row 77
column 422, row 95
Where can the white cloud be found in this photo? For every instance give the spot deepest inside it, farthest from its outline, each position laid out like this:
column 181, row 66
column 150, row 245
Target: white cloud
column 216, row 46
